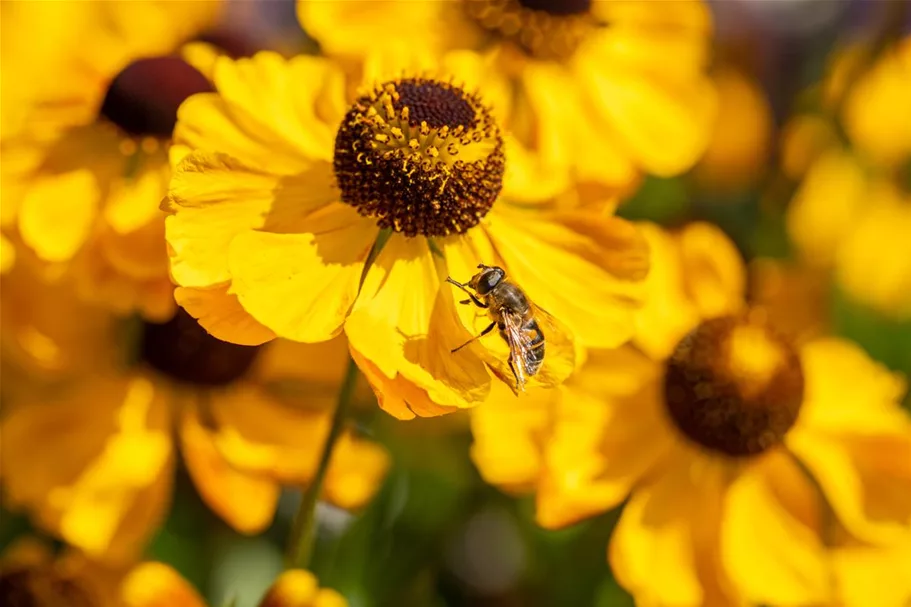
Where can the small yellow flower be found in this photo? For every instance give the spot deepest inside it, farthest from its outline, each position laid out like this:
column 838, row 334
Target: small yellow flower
column 247, row 420
column 285, row 184
column 84, row 158
column 704, row 440
column 875, row 109
column 591, row 91
column 738, row 150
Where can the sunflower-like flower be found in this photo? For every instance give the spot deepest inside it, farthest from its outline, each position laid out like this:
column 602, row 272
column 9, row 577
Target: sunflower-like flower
column 31, row 575
column 84, row 152
column 730, row 443
column 284, row 189
column 246, row 420
column 592, row 91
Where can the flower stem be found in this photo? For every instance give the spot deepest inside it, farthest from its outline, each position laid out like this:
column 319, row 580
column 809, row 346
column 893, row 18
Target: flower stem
column 303, row 532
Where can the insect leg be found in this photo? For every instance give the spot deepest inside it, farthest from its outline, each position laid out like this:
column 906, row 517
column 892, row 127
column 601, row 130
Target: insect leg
column 474, row 299
column 489, row 328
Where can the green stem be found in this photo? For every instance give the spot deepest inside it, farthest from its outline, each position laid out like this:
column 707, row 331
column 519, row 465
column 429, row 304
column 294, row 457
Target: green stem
column 303, row 532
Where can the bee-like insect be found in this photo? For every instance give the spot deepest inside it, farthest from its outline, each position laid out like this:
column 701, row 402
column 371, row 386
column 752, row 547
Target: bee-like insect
column 513, row 314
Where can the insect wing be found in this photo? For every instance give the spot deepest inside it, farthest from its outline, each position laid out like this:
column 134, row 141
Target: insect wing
column 519, row 343
column 560, row 351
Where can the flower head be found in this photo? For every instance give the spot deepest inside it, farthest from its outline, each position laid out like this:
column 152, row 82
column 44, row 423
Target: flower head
column 592, row 91
column 81, row 187
column 296, row 211
column 718, row 444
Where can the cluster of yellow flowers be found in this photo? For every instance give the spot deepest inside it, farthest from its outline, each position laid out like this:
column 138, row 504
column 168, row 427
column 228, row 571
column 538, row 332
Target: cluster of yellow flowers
column 193, row 245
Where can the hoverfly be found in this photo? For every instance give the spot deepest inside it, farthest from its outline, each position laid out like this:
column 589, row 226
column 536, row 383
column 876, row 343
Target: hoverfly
column 513, row 314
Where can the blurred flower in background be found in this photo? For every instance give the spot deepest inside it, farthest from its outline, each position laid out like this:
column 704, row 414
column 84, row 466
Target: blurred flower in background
column 228, row 338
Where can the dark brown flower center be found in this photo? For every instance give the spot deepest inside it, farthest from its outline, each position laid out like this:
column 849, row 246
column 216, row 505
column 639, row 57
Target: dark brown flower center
column 186, row 353
column 421, row 156
column 143, row 99
column 733, row 386
column 42, row 587
column 545, row 29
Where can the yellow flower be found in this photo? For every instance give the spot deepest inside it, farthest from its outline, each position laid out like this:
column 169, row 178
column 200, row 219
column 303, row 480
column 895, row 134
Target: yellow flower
column 246, row 420
column 84, row 160
column 718, row 448
column 875, row 109
column 285, row 186
column 739, row 146
column 592, row 91
column 847, row 220
column 30, row 575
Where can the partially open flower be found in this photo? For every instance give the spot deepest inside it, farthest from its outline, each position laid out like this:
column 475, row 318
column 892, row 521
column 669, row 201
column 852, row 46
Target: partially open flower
column 299, row 212
column 590, row 90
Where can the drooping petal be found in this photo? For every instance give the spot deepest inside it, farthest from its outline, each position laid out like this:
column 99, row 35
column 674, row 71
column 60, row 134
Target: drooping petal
column 158, row 585
column 270, row 437
column 219, row 313
column 302, row 285
column 586, row 269
column 405, row 324
column 608, row 431
column 110, row 462
column 244, row 501
column 770, row 535
column 663, row 540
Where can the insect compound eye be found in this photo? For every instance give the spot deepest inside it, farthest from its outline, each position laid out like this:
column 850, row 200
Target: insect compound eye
column 488, row 279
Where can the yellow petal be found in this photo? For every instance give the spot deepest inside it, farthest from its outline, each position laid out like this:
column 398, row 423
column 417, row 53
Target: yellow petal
column 268, row 436
column 826, row 206
column 664, row 123
column 244, row 501
column 158, row 585
column 299, row 588
column 848, row 392
column 219, row 313
column 873, row 576
column 608, row 431
column 271, row 113
column 58, row 213
column 111, row 460
column 865, row 480
column 7, row 254
column 397, row 396
column 404, row 323
column 508, row 432
column 713, row 270
column 584, row 270
column 657, row 546
column 770, row 551
column 213, row 197
column 302, row 285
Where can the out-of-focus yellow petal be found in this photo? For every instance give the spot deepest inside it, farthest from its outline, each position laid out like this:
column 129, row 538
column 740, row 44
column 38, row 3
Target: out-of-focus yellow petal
column 112, row 455
column 299, row 588
column 7, row 254
column 158, row 585
column 741, row 140
column 794, row 297
column 244, row 501
column 868, row 575
column 769, row 547
column 713, row 271
column 803, row 140
column 665, row 534
column 826, row 206
column 404, row 322
column 848, row 392
column 302, row 285
column 356, row 472
column 219, row 313
column 586, row 269
column 270, row 113
column 608, row 431
column 873, row 114
column 509, row 434
column 873, row 264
